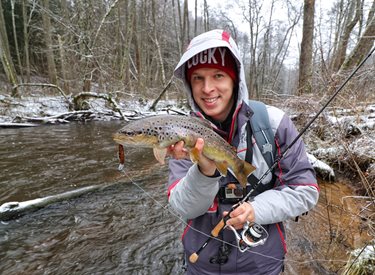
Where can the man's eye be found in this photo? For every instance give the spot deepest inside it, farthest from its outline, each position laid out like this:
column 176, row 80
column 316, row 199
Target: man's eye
column 219, row 76
column 196, row 77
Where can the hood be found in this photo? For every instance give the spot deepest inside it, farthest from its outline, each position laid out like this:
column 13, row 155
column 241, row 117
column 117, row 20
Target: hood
column 207, row 40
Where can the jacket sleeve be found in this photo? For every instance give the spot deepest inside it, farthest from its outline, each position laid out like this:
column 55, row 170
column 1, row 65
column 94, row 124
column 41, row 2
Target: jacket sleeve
column 296, row 190
column 190, row 192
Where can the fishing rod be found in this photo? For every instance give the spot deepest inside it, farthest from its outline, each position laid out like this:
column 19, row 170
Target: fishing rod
column 254, row 234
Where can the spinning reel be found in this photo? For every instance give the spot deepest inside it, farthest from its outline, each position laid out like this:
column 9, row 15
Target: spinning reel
column 252, row 235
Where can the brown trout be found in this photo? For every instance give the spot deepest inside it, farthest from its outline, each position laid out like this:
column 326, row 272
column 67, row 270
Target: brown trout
column 159, row 132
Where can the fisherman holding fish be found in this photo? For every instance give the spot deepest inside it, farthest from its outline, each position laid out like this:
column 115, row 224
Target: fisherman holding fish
column 214, row 77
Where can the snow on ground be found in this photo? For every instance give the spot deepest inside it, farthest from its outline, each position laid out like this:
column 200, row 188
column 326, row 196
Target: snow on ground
column 321, row 167
column 363, row 259
column 30, row 106
column 12, row 109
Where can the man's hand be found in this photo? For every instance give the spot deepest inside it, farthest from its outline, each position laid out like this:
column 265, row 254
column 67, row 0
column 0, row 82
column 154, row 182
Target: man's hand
column 177, row 151
column 206, row 166
column 240, row 215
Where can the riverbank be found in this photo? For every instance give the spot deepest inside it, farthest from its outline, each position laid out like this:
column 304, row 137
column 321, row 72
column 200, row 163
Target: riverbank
column 341, row 138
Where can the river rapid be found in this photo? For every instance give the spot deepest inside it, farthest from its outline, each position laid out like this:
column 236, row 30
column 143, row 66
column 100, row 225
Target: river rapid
column 127, row 227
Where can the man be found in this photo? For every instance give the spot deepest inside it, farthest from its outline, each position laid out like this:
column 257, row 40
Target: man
column 213, row 74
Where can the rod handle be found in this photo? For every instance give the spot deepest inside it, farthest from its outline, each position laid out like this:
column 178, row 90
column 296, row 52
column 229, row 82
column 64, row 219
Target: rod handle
column 215, row 232
column 193, row 258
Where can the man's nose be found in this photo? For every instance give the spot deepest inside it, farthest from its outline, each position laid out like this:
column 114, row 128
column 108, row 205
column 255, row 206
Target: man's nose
column 208, row 86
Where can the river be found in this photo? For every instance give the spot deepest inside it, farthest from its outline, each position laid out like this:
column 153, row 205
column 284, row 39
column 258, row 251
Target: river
column 127, row 228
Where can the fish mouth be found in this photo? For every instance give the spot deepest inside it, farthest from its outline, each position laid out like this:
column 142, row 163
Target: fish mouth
column 137, row 140
column 123, row 139
column 117, row 137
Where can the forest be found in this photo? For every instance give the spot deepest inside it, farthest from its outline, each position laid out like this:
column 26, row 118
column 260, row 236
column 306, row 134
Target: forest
column 131, row 47
column 297, row 54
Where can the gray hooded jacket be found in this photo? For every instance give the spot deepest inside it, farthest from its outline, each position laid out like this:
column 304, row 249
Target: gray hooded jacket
column 194, row 196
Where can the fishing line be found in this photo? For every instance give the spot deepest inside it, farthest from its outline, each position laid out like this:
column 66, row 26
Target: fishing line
column 176, row 215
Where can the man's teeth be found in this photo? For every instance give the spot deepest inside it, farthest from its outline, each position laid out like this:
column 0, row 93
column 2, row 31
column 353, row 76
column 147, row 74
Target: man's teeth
column 210, row 99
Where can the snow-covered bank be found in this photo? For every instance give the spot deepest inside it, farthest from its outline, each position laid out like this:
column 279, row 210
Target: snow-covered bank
column 55, row 110
column 343, row 138
column 339, row 138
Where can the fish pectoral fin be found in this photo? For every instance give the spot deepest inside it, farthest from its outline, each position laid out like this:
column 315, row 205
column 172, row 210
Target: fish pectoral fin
column 194, row 155
column 222, row 167
column 160, row 154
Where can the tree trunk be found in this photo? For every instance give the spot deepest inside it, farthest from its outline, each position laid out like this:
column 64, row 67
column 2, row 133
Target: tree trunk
column 125, row 67
column 157, row 44
column 52, row 74
column 364, row 44
column 352, row 18
column 196, row 18
column 137, row 49
column 206, row 17
column 185, row 24
column 253, row 18
column 305, row 64
column 177, row 33
column 20, row 69
column 5, row 57
column 26, row 39
column 64, row 72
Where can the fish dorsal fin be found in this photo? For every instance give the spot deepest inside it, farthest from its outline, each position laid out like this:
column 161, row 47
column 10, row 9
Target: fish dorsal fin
column 160, row 154
column 204, row 122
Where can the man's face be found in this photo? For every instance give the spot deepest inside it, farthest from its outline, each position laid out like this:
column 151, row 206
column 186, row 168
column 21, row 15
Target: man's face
column 213, row 92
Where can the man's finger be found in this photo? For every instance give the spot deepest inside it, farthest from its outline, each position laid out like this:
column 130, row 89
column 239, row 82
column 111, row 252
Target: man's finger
column 199, row 144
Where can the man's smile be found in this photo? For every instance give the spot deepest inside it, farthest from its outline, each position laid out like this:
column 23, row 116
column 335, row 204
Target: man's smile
column 211, row 99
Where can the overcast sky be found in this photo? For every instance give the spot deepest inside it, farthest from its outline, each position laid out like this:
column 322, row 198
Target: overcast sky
column 280, row 13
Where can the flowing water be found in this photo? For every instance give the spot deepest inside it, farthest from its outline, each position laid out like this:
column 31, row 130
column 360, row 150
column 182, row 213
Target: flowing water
column 126, row 228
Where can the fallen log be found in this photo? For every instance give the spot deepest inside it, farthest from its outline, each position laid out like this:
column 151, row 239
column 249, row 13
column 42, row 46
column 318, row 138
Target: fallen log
column 11, row 210
column 17, row 125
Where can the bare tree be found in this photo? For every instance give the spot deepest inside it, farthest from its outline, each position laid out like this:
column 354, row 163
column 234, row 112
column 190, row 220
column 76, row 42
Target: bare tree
column 176, row 30
column 185, row 23
column 305, row 63
column 12, row 3
column 26, row 23
column 364, row 44
column 350, row 19
column 5, row 57
column 196, row 18
column 49, row 43
column 206, row 16
column 252, row 15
